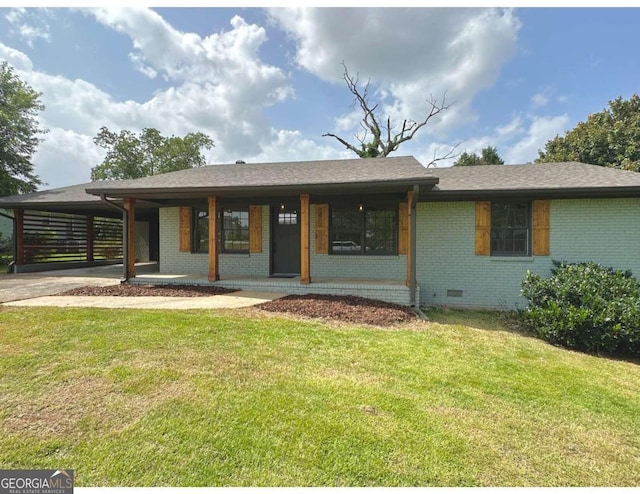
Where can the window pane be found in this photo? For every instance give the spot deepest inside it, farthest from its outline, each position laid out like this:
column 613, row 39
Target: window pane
column 201, row 230
column 288, row 218
column 510, row 228
column 372, row 230
column 235, row 230
column 346, row 243
column 346, row 230
column 380, row 231
column 499, row 215
column 520, row 215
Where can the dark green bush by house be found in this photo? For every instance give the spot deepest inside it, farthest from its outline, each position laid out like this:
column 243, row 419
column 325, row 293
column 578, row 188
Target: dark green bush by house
column 585, row 306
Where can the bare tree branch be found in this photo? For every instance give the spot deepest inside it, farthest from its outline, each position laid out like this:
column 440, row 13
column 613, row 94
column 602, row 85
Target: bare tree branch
column 378, row 146
column 450, row 155
column 349, row 146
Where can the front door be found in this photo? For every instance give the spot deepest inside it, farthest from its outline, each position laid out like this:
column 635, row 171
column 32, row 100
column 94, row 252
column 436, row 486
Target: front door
column 285, row 240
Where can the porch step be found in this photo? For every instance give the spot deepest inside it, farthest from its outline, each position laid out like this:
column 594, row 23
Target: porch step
column 387, row 290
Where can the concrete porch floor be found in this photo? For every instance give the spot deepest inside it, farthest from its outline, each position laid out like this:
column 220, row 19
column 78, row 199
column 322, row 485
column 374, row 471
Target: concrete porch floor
column 394, row 291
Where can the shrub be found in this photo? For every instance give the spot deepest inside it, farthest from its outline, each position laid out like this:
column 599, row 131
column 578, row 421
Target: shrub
column 585, row 306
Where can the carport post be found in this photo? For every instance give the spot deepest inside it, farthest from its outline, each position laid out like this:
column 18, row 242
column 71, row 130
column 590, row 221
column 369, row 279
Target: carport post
column 130, row 206
column 90, row 238
column 125, row 237
column 18, row 235
column 214, row 267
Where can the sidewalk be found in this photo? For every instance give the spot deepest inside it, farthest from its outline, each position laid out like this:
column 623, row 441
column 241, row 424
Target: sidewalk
column 233, row 300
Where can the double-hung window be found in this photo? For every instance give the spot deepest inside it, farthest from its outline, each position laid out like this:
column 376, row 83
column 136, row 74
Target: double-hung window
column 200, row 240
column 510, row 228
column 234, row 230
column 364, row 230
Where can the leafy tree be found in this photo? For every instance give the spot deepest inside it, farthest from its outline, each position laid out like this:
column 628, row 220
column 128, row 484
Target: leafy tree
column 488, row 156
column 134, row 156
column 381, row 136
column 19, row 130
column 609, row 138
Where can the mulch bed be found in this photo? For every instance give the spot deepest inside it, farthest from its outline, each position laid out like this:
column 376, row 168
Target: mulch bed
column 342, row 308
column 149, row 291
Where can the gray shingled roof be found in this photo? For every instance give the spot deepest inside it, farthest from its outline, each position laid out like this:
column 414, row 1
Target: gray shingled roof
column 73, row 194
column 568, row 176
column 72, row 197
column 298, row 174
column 553, row 179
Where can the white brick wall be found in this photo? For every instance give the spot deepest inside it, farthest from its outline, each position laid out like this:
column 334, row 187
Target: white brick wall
column 174, row 261
column 601, row 230
column 322, row 265
column 374, row 267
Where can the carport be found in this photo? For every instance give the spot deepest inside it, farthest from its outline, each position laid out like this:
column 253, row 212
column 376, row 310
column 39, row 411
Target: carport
column 67, row 228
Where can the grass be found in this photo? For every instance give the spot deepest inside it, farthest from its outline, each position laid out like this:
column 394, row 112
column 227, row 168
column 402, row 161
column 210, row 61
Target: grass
column 154, row 398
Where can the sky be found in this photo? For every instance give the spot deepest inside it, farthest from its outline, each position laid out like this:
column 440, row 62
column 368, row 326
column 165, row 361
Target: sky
column 266, row 83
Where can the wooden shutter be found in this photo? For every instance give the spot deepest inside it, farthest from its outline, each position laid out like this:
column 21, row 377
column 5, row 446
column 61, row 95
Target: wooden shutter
column 255, row 229
column 322, row 228
column 541, row 213
column 185, row 229
column 403, row 228
column 483, row 228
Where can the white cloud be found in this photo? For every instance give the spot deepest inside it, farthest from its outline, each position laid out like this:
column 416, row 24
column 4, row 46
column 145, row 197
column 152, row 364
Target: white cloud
column 219, row 85
column 16, row 58
column 348, row 121
column 517, row 141
column 539, row 132
column 286, row 145
column 409, row 53
column 513, row 127
column 539, row 100
column 141, row 67
column 65, row 157
column 29, row 24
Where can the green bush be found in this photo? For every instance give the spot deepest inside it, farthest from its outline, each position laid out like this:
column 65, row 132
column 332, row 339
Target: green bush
column 585, row 306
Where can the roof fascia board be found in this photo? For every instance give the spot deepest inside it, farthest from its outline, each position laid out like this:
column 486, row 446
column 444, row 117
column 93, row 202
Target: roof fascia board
column 428, row 182
column 559, row 193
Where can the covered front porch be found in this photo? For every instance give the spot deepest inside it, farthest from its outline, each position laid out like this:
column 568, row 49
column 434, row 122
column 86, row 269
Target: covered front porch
column 394, row 291
column 344, row 227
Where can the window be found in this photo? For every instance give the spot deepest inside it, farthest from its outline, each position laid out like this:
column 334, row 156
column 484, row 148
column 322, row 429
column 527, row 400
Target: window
column 360, row 230
column 200, row 230
column 234, row 230
column 288, row 218
column 510, row 228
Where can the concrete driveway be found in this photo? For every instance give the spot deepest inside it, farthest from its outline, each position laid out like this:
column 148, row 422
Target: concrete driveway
column 32, row 285
column 41, row 290
column 233, row 300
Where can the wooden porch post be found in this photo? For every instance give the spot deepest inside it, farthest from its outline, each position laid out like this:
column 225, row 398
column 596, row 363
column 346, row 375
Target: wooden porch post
column 19, row 236
column 410, row 246
column 130, row 206
column 90, row 238
column 214, row 270
column 305, row 276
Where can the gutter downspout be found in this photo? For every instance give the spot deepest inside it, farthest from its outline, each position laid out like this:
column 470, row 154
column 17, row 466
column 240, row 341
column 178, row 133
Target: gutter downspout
column 413, row 282
column 12, row 266
column 125, row 237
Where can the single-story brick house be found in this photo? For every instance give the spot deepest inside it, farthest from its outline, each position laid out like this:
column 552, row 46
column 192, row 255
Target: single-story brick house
column 385, row 228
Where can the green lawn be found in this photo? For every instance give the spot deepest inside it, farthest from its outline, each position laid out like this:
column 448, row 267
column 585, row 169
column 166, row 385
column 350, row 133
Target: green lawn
column 151, row 398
